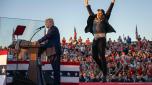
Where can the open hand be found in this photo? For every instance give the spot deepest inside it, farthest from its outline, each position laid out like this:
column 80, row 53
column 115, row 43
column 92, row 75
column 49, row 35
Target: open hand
column 113, row 1
column 85, row 2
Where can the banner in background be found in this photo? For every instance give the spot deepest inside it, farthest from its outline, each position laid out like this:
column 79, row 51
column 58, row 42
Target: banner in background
column 3, row 65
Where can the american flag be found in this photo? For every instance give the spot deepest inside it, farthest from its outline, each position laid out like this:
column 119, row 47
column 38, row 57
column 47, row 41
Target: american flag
column 69, row 71
column 136, row 33
column 3, row 63
column 75, row 34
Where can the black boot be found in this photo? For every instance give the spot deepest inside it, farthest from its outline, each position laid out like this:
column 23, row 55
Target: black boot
column 104, row 79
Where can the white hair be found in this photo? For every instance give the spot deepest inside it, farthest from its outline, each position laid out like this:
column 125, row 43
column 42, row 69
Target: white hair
column 50, row 19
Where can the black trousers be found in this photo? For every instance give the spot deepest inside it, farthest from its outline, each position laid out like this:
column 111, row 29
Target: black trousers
column 98, row 53
column 55, row 65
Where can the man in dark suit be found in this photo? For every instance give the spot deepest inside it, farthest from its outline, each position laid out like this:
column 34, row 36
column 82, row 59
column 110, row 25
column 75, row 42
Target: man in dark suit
column 52, row 40
column 98, row 25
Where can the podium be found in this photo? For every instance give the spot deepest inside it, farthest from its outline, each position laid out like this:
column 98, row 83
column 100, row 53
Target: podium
column 34, row 70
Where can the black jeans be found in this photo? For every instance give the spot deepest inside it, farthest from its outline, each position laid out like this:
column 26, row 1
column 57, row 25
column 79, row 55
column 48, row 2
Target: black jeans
column 56, row 69
column 55, row 65
column 98, row 53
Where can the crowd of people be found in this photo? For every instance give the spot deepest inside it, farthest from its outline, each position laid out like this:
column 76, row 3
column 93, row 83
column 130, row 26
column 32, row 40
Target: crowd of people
column 127, row 61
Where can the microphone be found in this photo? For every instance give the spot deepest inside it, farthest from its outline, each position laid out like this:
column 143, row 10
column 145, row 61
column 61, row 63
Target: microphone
column 40, row 28
column 37, row 30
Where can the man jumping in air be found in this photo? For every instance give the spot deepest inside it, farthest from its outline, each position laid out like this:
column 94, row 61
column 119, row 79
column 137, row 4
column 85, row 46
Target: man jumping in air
column 98, row 25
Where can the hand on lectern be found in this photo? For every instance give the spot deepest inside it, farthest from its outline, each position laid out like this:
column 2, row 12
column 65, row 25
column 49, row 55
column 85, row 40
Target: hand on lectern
column 35, row 43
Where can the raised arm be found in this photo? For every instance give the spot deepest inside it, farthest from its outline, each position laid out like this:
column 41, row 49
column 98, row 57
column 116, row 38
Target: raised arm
column 88, row 7
column 108, row 13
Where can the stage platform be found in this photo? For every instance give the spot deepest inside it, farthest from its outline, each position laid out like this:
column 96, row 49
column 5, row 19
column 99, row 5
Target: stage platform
column 107, row 83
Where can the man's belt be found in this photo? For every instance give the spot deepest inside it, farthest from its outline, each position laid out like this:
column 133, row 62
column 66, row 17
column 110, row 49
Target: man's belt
column 99, row 35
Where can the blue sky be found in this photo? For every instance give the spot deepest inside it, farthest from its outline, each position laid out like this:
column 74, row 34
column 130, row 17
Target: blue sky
column 125, row 16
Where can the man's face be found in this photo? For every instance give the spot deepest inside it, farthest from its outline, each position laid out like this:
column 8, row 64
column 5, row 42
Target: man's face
column 49, row 23
column 99, row 14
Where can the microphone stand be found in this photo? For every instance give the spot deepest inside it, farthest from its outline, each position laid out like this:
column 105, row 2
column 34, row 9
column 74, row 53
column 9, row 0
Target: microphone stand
column 38, row 29
column 34, row 34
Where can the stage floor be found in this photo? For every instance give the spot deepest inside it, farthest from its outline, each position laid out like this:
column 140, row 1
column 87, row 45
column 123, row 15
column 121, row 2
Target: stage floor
column 117, row 83
column 108, row 83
